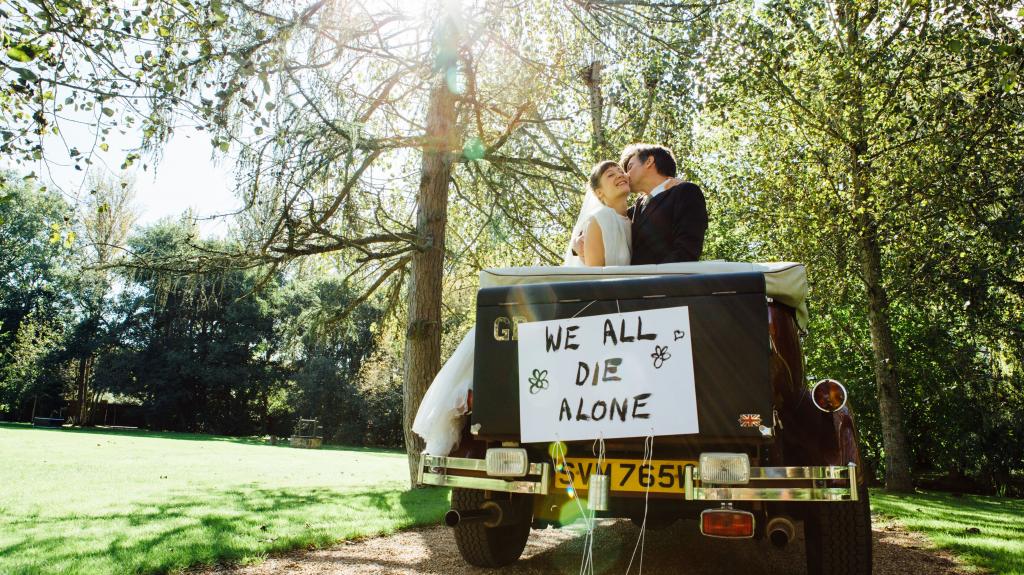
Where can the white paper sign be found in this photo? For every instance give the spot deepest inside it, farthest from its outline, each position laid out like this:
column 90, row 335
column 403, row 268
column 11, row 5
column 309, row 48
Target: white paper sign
column 618, row 375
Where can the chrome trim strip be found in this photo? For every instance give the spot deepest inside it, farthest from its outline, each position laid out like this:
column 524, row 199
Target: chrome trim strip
column 824, row 472
column 433, row 471
column 486, row 483
column 688, row 483
column 771, row 494
column 694, row 490
column 468, row 464
column 853, row 481
column 440, row 461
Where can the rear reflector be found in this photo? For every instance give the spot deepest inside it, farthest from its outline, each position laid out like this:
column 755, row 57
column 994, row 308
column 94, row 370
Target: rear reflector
column 829, row 395
column 727, row 523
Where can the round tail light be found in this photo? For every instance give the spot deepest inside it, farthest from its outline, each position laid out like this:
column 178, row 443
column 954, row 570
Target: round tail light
column 829, row 395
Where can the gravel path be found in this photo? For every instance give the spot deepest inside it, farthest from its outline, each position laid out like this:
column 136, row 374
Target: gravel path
column 679, row 549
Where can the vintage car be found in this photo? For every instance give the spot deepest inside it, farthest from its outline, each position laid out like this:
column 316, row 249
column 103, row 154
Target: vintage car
column 764, row 451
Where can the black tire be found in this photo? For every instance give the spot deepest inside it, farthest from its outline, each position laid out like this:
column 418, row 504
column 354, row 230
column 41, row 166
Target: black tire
column 484, row 546
column 838, row 537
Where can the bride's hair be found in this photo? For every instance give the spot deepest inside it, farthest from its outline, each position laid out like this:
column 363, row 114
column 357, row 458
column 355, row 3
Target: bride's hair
column 599, row 169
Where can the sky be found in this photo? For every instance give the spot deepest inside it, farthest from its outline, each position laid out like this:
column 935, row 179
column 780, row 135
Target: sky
column 184, row 177
column 187, row 177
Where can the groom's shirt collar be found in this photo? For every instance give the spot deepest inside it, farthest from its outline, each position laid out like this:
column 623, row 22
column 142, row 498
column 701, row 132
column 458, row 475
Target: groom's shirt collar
column 661, row 188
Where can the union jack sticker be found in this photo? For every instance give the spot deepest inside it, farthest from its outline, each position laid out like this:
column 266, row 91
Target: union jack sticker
column 750, row 420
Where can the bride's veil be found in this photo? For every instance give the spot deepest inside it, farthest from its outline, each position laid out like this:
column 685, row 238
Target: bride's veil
column 590, row 205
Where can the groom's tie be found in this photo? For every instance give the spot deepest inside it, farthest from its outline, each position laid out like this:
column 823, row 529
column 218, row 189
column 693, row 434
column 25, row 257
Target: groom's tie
column 638, row 208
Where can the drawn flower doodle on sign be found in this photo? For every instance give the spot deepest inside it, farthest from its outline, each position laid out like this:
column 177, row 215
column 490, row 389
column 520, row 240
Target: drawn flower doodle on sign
column 538, row 381
column 660, row 355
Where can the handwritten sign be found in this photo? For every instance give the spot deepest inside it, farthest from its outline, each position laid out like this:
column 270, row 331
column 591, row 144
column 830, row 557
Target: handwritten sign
column 618, row 375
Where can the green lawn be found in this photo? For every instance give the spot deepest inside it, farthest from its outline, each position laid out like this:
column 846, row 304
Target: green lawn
column 998, row 544
column 136, row 502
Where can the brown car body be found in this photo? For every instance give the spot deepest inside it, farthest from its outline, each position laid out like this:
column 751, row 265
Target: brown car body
column 806, row 463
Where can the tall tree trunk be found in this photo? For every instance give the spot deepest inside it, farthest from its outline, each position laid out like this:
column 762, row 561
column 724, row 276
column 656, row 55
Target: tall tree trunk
column 897, row 451
column 83, row 389
column 592, row 78
column 894, row 437
column 651, row 85
column 423, row 337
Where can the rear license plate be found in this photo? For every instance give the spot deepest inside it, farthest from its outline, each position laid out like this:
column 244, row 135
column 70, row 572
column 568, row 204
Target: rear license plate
column 657, row 476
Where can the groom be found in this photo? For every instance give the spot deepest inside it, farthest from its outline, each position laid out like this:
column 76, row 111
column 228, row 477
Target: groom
column 670, row 216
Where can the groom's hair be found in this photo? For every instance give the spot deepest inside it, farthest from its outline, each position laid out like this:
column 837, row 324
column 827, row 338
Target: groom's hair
column 664, row 162
column 599, row 169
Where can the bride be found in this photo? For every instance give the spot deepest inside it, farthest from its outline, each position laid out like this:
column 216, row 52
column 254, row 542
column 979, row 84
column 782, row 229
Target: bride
column 602, row 221
column 605, row 230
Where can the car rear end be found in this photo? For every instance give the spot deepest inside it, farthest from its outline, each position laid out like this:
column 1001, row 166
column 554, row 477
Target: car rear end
column 731, row 474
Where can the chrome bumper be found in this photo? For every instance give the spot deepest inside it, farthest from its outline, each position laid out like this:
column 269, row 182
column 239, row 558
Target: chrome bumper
column 766, row 483
column 434, row 471
column 778, row 484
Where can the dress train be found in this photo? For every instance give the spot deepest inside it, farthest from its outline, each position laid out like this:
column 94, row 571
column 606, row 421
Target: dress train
column 443, row 410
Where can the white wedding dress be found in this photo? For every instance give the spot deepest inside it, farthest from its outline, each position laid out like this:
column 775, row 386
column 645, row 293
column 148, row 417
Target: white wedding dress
column 617, row 235
column 442, row 412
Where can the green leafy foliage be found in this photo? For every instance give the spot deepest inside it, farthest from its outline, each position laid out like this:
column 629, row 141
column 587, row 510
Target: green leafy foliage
column 878, row 143
column 35, row 293
column 833, row 133
column 205, row 353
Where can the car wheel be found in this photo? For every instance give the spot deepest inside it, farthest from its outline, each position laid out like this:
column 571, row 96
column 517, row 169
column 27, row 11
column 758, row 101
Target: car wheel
column 838, row 537
column 484, row 546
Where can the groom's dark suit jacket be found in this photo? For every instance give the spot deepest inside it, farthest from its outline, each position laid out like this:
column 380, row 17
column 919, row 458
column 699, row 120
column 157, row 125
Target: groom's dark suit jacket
column 671, row 228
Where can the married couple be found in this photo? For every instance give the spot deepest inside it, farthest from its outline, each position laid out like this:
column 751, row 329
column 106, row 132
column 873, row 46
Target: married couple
column 665, row 225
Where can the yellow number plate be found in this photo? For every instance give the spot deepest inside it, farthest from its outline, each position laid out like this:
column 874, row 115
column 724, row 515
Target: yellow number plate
column 659, row 476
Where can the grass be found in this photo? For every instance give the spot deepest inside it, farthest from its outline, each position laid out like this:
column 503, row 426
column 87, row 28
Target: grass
column 950, row 522
column 77, row 502
column 105, row 502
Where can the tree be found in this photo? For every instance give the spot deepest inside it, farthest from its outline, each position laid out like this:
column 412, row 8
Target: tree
column 107, row 217
column 200, row 350
column 28, row 372
column 423, row 337
column 842, row 119
column 35, row 290
column 324, row 357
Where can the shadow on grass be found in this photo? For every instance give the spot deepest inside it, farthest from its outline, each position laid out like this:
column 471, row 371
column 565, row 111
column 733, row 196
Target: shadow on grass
column 986, row 531
column 235, row 525
column 955, row 513
column 282, row 442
